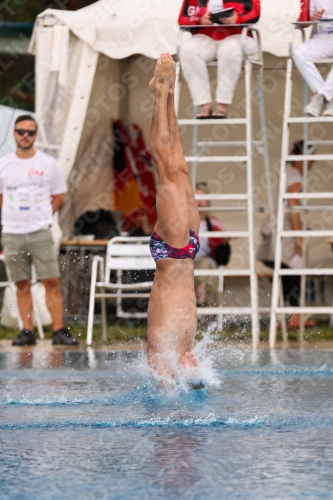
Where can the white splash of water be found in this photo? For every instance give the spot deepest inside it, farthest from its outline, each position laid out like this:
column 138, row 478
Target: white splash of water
column 186, row 377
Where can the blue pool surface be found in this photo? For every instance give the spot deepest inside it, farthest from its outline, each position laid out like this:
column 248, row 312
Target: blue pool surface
column 92, row 425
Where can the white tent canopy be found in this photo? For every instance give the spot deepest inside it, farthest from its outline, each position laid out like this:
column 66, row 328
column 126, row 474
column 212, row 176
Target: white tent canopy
column 78, row 81
column 120, row 28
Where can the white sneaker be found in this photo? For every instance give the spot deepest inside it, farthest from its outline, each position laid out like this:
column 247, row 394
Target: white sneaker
column 315, row 105
column 328, row 109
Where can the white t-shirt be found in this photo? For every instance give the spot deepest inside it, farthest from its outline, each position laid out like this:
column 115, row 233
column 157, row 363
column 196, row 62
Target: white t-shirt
column 214, row 5
column 327, row 6
column 204, row 246
column 27, row 187
column 204, row 242
column 293, row 176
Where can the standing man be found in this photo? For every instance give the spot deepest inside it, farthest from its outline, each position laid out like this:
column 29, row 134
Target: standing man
column 32, row 189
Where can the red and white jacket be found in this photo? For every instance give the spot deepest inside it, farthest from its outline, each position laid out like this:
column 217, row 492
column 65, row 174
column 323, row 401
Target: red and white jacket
column 248, row 11
column 215, row 226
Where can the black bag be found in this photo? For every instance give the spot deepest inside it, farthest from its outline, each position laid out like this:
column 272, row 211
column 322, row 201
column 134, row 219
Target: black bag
column 100, row 223
column 222, row 254
column 222, row 251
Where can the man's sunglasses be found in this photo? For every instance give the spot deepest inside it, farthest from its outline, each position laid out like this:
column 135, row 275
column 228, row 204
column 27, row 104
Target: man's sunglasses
column 30, row 133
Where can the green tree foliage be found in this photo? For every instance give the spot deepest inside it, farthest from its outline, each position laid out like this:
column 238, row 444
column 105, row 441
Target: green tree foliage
column 27, row 10
column 17, row 70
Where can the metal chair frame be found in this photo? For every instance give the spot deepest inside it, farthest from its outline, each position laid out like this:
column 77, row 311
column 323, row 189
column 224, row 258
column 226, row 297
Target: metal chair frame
column 305, row 196
column 197, row 158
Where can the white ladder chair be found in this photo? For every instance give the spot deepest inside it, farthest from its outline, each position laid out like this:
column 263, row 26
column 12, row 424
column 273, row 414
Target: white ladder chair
column 123, row 253
column 288, row 120
column 200, row 147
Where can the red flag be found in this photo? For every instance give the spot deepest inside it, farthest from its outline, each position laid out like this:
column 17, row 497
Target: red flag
column 305, row 11
column 134, row 184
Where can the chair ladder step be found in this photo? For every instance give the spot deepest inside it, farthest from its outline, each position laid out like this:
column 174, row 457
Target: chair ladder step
column 306, row 272
column 222, row 272
column 308, row 196
column 323, row 157
column 328, row 233
column 305, row 310
column 310, row 119
column 213, row 121
column 224, row 310
column 226, row 234
column 216, row 159
column 223, row 197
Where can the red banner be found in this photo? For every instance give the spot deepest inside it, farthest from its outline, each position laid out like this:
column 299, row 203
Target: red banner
column 305, row 11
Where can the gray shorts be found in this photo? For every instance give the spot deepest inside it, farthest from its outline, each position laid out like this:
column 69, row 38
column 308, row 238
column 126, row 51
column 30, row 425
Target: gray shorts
column 22, row 250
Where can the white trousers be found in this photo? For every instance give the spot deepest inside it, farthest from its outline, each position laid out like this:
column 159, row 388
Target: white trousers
column 200, row 49
column 319, row 47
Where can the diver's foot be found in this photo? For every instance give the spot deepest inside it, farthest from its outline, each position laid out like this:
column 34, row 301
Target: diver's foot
column 152, row 84
column 165, row 69
column 172, row 78
column 164, row 73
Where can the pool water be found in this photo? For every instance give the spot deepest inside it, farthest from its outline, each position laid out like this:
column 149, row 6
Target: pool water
column 92, row 425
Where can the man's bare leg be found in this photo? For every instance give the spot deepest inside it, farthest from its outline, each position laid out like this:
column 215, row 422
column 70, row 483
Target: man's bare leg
column 24, row 302
column 188, row 359
column 177, row 151
column 172, row 224
column 54, row 302
column 178, row 157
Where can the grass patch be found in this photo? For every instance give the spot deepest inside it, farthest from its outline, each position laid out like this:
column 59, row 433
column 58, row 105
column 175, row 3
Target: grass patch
column 120, row 330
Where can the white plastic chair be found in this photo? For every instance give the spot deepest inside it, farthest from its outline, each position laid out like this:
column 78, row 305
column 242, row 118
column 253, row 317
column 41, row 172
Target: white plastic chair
column 123, row 253
column 129, row 254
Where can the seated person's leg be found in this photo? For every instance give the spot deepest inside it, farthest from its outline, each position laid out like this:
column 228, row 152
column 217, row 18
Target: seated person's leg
column 304, row 58
column 327, row 92
column 229, row 57
column 194, row 55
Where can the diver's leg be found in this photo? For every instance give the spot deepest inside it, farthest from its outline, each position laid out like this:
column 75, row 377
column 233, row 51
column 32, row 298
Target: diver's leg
column 173, row 221
column 179, row 161
column 187, row 358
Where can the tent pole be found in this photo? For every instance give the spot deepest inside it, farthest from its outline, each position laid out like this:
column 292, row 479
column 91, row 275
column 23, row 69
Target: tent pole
column 123, row 105
column 78, row 109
